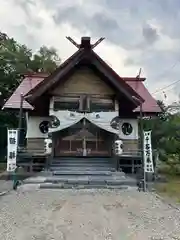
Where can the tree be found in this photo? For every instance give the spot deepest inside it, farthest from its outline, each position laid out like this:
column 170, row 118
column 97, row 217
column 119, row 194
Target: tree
column 45, row 60
column 157, row 125
column 15, row 60
column 165, row 134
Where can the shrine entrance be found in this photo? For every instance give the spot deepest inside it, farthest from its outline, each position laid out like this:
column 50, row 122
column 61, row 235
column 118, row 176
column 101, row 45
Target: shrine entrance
column 83, row 139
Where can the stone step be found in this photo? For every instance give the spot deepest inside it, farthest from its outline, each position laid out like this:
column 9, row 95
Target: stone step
column 83, row 164
column 78, row 172
column 83, row 161
column 95, row 186
column 83, row 158
column 88, row 177
column 83, row 169
column 81, row 179
column 113, row 177
column 97, row 181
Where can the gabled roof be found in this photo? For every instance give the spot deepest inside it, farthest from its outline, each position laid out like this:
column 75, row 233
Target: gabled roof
column 85, row 53
column 29, row 82
column 35, row 84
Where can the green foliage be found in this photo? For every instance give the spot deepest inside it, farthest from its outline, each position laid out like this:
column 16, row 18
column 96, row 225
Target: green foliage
column 15, row 60
column 166, row 138
column 170, row 189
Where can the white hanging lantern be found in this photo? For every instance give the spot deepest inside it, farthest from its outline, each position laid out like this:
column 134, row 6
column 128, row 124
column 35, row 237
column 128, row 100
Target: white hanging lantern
column 118, row 147
column 48, row 146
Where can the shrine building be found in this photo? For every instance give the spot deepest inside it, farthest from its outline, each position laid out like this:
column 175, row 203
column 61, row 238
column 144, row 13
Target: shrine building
column 84, row 105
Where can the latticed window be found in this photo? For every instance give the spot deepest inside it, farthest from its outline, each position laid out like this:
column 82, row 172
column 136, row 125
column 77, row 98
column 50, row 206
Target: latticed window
column 72, row 103
column 83, row 103
column 66, row 103
column 101, row 104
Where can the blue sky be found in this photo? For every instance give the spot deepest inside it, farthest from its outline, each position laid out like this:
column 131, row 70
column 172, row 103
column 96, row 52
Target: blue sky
column 141, row 33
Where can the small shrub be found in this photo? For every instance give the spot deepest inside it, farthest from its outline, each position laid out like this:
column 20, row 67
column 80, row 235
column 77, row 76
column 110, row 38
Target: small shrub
column 169, row 168
column 164, row 169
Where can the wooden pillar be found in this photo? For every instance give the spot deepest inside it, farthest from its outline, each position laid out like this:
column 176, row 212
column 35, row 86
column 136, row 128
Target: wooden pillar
column 70, row 145
column 96, row 141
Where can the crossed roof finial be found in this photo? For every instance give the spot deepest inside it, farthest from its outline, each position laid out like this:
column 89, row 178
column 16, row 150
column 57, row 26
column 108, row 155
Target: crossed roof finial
column 86, row 42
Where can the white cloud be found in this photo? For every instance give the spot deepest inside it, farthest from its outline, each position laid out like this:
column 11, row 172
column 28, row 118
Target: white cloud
column 115, row 57
column 51, row 34
column 160, row 92
column 36, row 27
column 10, row 15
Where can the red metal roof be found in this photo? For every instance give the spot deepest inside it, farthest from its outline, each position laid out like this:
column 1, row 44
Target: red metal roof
column 31, row 81
column 150, row 105
column 28, row 83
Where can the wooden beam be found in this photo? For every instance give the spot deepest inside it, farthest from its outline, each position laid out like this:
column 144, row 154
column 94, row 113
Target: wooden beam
column 97, row 42
column 73, row 42
column 103, row 96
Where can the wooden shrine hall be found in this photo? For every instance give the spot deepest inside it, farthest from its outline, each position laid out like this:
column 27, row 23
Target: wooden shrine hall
column 84, row 105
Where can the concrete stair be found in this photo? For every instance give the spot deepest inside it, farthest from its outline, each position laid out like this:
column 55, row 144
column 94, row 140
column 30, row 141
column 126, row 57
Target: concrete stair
column 82, row 164
column 82, row 173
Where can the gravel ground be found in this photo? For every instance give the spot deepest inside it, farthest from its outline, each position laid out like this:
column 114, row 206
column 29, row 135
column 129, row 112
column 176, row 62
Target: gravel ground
column 86, row 214
column 5, row 186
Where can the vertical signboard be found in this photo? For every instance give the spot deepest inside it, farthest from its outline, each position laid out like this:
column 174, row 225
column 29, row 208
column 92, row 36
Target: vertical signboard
column 148, row 158
column 12, row 149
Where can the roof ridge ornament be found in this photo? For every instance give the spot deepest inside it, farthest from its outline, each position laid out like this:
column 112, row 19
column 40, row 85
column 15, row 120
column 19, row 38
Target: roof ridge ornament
column 139, row 74
column 85, row 42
